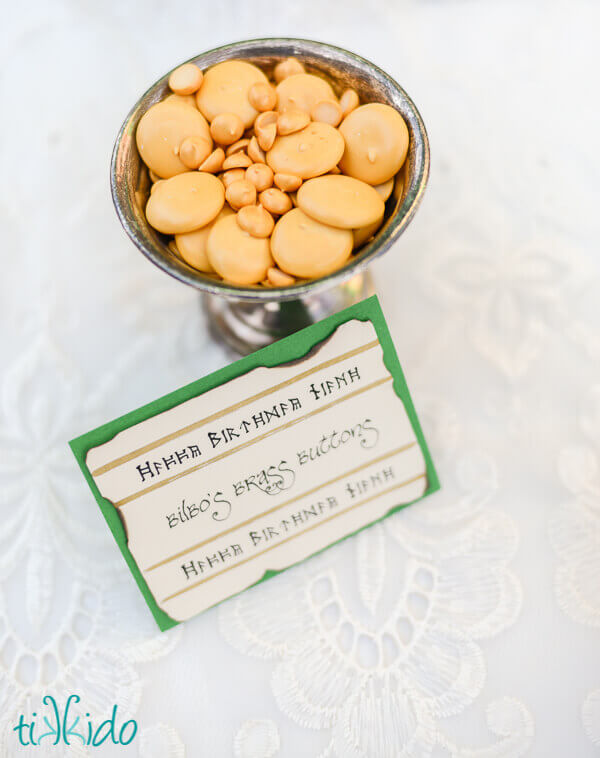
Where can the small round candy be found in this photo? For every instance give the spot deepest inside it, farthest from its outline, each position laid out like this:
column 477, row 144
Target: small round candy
column 240, row 193
column 275, row 201
column 185, row 202
column 262, row 97
column 376, row 143
column 265, row 119
column 312, row 151
column 287, row 182
column 260, row 175
column 186, row 79
column 266, row 137
column 303, row 91
column 306, row 248
column 255, row 220
column 327, row 111
column 192, row 246
column 226, row 128
column 291, row 121
column 214, row 162
column 236, row 255
column 161, row 131
column 287, row 67
column 265, row 129
column 225, row 90
column 349, row 101
column 237, row 160
column 233, row 175
column 278, row 278
column 255, row 151
column 241, row 144
column 193, row 151
column 340, row 201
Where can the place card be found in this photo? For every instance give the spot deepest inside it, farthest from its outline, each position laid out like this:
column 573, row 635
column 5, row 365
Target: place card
column 237, row 476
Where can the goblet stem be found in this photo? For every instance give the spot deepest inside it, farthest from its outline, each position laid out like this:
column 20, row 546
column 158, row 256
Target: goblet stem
column 249, row 325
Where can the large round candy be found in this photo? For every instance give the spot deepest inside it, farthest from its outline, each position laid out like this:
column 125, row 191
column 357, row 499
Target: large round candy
column 308, row 249
column 182, row 100
column 340, row 201
column 312, row 151
column 225, row 90
column 302, row 92
column 161, row 131
column 376, row 143
column 192, row 245
column 236, row 255
column 185, row 202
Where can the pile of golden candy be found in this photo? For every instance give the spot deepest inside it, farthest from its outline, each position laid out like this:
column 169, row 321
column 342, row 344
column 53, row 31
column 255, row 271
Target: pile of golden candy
column 266, row 182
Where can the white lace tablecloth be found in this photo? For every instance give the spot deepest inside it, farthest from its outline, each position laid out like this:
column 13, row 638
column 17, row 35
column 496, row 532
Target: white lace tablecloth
column 465, row 626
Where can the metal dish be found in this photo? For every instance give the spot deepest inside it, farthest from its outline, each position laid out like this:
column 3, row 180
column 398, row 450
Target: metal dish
column 250, row 317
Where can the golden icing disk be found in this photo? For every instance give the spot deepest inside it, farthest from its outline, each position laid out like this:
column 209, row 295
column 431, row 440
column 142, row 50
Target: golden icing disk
column 376, row 140
column 236, row 255
column 161, row 131
column 302, row 92
column 312, row 151
column 185, row 202
column 192, row 245
column 340, row 201
column 225, row 89
column 306, row 248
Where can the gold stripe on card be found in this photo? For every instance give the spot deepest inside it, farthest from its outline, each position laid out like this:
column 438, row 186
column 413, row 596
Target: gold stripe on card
column 302, row 495
column 295, row 536
column 198, row 466
column 236, row 406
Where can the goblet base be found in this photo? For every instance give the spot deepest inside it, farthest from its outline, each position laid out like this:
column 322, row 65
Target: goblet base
column 246, row 326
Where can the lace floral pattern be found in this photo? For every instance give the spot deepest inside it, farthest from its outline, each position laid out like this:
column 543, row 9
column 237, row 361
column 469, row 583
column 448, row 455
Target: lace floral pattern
column 77, row 635
column 432, row 634
column 382, row 676
column 575, row 535
column 256, row 738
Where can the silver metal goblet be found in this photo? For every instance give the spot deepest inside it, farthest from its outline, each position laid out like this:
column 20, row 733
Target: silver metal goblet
column 247, row 318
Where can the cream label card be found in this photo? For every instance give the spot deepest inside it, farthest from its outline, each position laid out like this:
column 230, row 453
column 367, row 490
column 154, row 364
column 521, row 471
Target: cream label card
column 229, row 480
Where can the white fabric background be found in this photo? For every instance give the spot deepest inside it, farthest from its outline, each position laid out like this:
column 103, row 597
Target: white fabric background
column 466, row 626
